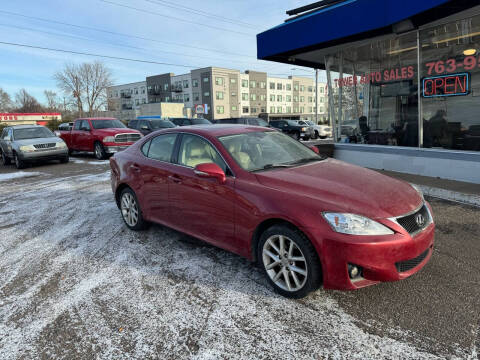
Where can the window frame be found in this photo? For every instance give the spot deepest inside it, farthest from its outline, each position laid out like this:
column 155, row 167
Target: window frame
column 150, row 140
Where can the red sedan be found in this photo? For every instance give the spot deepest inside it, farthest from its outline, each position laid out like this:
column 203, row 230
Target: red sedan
column 307, row 220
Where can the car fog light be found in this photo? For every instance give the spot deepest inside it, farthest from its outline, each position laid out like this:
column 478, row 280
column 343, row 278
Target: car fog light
column 354, row 271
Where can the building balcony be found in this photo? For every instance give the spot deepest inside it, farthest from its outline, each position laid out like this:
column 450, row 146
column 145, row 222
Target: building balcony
column 126, row 95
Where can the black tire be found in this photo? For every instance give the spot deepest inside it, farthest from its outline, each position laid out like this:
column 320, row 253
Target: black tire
column 317, row 135
column 140, row 223
column 5, row 159
column 65, row 160
column 18, row 162
column 99, row 151
column 313, row 278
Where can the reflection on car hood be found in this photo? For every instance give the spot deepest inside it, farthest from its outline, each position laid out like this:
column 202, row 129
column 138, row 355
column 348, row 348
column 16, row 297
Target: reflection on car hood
column 115, row 131
column 47, row 140
column 338, row 186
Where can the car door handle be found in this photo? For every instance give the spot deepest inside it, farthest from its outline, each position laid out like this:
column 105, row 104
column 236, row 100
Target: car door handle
column 175, row 179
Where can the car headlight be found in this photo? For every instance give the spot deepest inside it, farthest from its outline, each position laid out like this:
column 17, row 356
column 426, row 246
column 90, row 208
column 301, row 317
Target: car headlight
column 27, row 148
column 355, row 224
column 109, row 139
column 304, row 129
column 417, row 189
column 61, row 145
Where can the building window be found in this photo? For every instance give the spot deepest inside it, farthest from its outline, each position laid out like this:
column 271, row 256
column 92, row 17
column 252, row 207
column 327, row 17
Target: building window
column 245, row 83
column 195, row 83
column 196, row 96
column 233, row 81
column 279, row 97
column 321, row 100
column 185, row 84
column 186, row 97
column 295, row 109
column 272, row 97
column 272, row 109
column 137, row 102
column 321, row 90
column 289, row 87
column 219, row 95
column 143, row 90
column 289, row 98
column 234, row 108
column 144, row 101
column 220, row 109
column 295, row 98
column 253, row 84
column 206, row 79
column 206, row 94
column 245, row 96
column 310, row 99
column 272, row 86
column 167, row 98
column 302, row 110
column 263, row 97
column 253, row 97
column 262, row 110
column 219, row 80
column 279, row 86
column 310, row 89
column 288, row 109
column 253, row 110
column 136, row 91
column 310, row 109
column 295, row 87
column 263, row 85
column 245, row 110
column 234, row 93
column 165, row 87
column 302, row 88
column 302, row 98
column 279, row 109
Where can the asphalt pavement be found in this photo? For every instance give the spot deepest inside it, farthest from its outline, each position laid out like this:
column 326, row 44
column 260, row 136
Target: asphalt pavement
column 76, row 283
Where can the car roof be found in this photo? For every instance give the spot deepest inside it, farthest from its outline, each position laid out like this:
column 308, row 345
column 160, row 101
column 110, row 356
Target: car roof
column 97, row 118
column 25, row 126
column 220, row 129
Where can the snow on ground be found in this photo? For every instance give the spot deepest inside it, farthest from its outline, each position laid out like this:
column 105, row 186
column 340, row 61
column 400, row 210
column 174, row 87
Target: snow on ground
column 76, row 283
column 89, row 162
column 18, row 175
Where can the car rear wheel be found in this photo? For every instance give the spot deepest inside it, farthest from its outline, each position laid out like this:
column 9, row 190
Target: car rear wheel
column 5, row 159
column 131, row 212
column 290, row 261
column 100, row 153
column 18, row 162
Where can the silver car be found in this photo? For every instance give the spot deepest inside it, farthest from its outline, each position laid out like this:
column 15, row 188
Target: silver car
column 24, row 144
column 321, row 131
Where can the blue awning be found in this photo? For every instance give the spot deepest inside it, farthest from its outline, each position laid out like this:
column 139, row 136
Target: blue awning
column 348, row 21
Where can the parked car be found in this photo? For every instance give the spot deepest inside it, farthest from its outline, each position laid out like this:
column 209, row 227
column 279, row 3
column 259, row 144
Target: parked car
column 321, row 131
column 25, row 144
column 103, row 136
column 147, row 125
column 65, row 126
column 294, row 129
column 244, row 121
column 188, row 122
column 257, row 192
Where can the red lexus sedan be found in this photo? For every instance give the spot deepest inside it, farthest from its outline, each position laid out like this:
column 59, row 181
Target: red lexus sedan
column 308, row 221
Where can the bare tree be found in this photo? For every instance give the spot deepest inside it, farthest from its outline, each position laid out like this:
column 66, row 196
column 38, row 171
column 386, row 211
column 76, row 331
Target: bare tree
column 87, row 84
column 52, row 100
column 26, row 102
column 6, row 103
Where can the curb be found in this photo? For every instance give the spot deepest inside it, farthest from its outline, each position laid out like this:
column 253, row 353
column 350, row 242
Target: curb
column 468, row 199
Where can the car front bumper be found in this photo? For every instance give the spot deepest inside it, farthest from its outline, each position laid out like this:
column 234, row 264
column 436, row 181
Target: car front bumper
column 112, row 148
column 378, row 257
column 40, row 155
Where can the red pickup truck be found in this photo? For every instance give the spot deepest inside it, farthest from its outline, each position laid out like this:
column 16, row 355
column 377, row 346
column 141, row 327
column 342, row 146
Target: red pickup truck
column 103, row 136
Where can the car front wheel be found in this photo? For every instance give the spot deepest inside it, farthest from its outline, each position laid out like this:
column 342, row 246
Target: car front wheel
column 131, row 212
column 18, row 162
column 290, row 261
column 100, row 153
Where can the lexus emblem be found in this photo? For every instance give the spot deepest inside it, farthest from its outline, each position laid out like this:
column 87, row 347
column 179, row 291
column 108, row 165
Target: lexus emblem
column 420, row 220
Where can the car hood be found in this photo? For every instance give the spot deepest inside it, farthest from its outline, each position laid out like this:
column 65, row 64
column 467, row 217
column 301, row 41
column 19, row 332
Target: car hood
column 47, row 140
column 341, row 187
column 115, row 131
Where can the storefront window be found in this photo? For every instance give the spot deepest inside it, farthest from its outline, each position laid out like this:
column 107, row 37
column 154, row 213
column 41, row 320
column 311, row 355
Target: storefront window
column 374, row 94
column 451, row 85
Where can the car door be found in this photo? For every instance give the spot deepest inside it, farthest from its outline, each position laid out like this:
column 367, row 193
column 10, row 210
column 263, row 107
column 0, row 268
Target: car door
column 76, row 135
column 153, row 169
column 6, row 142
column 202, row 207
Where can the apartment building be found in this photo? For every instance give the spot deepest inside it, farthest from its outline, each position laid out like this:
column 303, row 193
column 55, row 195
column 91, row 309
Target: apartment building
column 231, row 93
column 128, row 96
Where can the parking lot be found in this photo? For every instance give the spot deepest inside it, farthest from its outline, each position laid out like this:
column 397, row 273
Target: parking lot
column 76, row 283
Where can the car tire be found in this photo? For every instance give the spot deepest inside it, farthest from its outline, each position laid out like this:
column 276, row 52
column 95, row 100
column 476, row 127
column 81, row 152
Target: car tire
column 65, row 160
column 296, row 272
column 18, row 162
column 130, row 210
column 99, row 151
column 317, row 135
column 5, row 159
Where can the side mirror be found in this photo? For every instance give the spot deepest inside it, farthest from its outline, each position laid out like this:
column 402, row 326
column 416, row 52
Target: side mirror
column 314, row 149
column 210, row 170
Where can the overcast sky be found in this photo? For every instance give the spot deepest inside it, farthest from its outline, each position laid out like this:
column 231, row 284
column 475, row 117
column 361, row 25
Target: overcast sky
column 229, row 28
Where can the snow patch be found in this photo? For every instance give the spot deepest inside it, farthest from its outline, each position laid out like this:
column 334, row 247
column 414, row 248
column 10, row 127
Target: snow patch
column 18, row 175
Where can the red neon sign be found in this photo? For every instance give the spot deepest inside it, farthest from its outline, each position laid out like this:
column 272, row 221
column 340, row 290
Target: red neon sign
column 446, row 85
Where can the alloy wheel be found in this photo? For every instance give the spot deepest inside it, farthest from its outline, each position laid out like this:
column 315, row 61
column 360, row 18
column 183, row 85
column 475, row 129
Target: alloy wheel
column 129, row 209
column 285, row 263
column 98, row 151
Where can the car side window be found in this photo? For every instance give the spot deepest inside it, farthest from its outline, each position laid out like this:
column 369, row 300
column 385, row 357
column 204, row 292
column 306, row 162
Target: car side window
column 161, row 147
column 146, row 147
column 77, row 125
column 143, row 124
column 133, row 124
column 10, row 134
column 194, row 150
column 85, row 124
column 5, row 134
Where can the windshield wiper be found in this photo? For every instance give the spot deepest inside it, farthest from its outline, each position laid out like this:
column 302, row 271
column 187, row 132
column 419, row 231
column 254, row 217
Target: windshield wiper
column 306, row 160
column 273, row 166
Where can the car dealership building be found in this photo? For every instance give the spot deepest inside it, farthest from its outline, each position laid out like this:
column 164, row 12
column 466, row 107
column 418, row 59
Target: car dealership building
column 403, row 79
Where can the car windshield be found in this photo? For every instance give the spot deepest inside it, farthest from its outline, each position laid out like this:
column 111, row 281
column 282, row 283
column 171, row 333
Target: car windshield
column 32, row 133
column 107, row 124
column 256, row 151
column 161, row 124
column 308, row 122
column 292, row 123
column 200, row 121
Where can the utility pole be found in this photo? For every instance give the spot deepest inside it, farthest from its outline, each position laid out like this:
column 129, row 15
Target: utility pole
column 316, row 96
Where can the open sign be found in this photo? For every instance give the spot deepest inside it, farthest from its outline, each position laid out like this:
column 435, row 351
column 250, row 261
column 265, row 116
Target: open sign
column 446, row 85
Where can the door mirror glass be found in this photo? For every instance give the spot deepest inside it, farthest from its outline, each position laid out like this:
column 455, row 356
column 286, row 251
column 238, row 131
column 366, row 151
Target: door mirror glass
column 210, row 170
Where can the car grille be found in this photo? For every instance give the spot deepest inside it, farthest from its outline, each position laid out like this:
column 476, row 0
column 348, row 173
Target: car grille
column 126, row 138
column 407, row 265
column 44, row 146
column 410, row 223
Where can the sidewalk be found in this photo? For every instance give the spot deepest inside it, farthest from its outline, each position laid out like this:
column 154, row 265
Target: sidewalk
column 463, row 192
